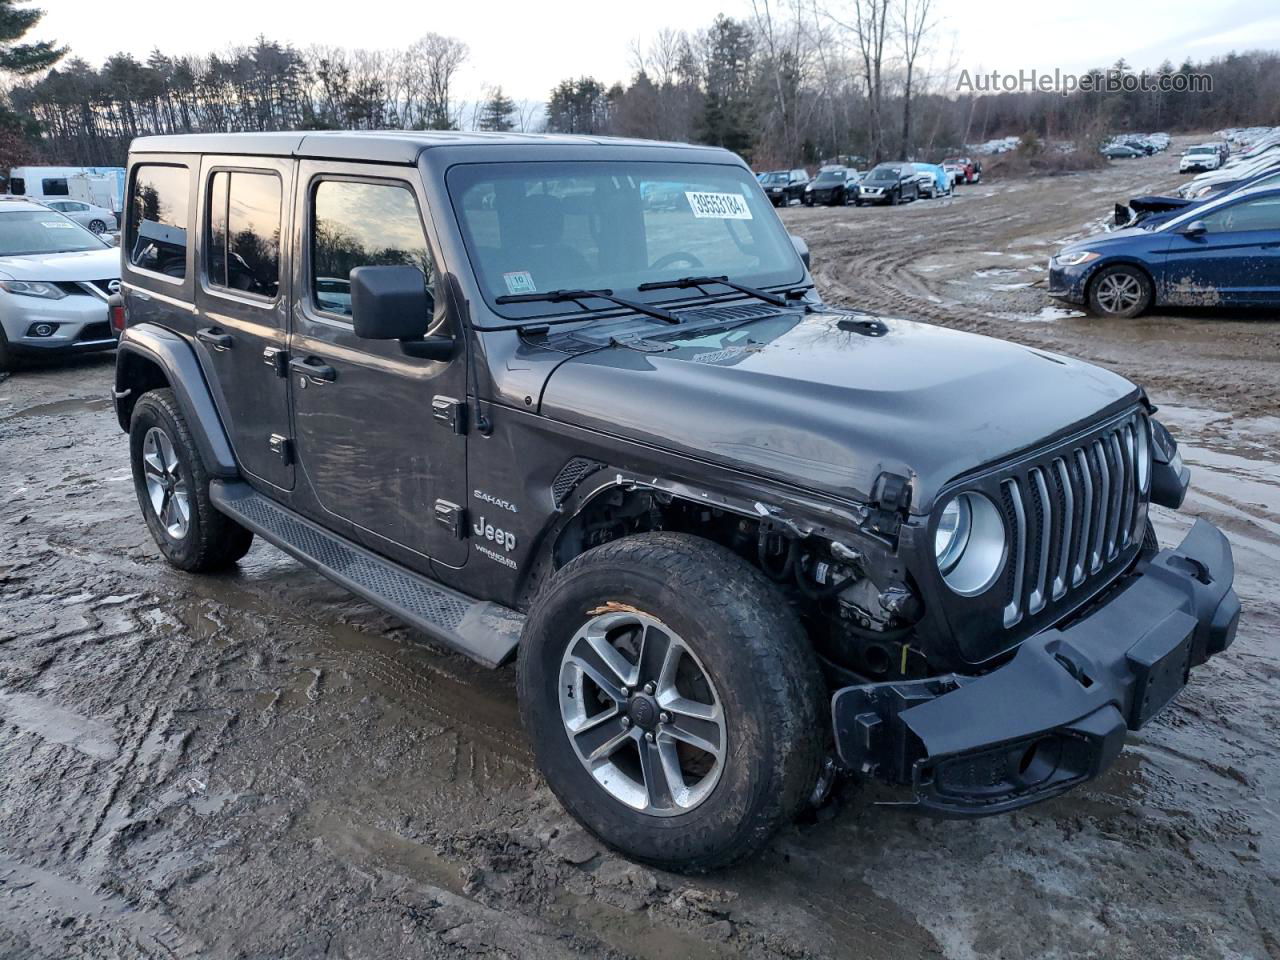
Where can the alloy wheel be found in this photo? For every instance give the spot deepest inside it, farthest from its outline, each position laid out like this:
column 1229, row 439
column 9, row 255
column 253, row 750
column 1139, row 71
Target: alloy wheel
column 166, row 488
column 642, row 713
column 1119, row 292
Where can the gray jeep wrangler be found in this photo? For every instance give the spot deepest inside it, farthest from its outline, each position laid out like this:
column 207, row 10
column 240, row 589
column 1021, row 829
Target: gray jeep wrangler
column 576, row 402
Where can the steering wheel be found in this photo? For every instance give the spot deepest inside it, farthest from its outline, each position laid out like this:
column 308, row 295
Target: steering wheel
column 676, row 256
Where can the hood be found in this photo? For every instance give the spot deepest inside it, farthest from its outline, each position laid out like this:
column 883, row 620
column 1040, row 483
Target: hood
column 101, row 264
column 1097, row 241
column 821, row 402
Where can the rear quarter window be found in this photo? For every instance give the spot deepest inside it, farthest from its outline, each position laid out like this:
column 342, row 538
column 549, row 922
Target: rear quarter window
column 159, row 215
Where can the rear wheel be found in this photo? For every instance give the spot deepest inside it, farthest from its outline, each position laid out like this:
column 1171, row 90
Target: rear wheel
column 97, row 226
column 172, row 485
column 673, row 700
column 1121, row 291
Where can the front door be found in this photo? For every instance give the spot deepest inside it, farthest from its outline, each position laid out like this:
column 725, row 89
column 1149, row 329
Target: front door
column 241, row 300
column 372, row 424
column 1236, row 260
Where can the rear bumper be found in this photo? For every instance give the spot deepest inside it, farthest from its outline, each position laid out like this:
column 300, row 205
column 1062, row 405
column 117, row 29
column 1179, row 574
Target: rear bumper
column 1056, row 714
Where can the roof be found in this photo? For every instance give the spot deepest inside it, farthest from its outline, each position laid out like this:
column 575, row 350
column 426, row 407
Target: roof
column 8, row 200
column 384, row 146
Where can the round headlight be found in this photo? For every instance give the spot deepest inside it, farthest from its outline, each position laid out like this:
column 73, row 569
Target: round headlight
column 1143, row 456
column 969, row 543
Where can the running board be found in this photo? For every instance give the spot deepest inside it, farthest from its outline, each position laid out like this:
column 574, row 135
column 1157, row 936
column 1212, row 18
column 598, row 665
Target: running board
column 486, row 631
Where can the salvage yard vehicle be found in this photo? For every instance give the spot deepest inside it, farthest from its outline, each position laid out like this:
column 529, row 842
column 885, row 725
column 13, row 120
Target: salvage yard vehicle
column 55, row 278
column 736, row 539
column 784, row 186
column 890, row 183
column 97, row 219
column 832, row 187
column 1206, row 156
column 932, row 180
column 1222, row 252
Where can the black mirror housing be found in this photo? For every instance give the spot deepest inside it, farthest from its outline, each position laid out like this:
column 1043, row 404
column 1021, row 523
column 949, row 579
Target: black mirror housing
column 390, row 303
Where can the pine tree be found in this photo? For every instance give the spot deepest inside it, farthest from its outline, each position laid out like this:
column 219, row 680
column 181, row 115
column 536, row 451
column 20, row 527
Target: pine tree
column 496, row 112
column 23, row 58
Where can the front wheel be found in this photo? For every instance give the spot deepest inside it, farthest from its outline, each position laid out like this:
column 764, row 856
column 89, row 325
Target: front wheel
column 172, row 485
column 1121, row 292
column 673, row 700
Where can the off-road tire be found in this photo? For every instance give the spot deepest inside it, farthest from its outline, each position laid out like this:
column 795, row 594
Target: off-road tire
column 1146, row 292
column 7, row 363
column 1150, row 542
column 213, row 540
column 755, row 652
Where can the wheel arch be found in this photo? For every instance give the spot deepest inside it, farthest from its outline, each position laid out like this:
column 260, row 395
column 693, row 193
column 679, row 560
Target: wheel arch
column 1121, row 261
column 150, row 357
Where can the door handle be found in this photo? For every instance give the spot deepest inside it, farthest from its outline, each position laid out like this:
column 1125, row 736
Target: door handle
column 314, row 370
column 215, row 338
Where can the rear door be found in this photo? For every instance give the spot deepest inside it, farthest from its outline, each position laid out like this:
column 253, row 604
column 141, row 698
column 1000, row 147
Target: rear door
column 380, row 434
column 242, row 296
column 1236, row 259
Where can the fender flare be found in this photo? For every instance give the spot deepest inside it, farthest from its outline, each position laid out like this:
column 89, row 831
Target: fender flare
column 177, row 361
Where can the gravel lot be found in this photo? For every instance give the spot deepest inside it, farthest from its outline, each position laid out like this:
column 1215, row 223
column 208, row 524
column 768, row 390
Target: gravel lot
column 258, row 765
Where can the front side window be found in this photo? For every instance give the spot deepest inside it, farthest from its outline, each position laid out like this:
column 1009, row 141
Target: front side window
column 537, row 227
column 55, row 187
column 1260, row 214
column 24, row 232
column 158, row 219
column 357, row 224
column 243, row 248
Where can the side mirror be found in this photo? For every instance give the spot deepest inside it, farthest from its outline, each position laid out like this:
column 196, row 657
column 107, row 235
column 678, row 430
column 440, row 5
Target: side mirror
column 802, row 248
column 1196, row 228
column 392, row 303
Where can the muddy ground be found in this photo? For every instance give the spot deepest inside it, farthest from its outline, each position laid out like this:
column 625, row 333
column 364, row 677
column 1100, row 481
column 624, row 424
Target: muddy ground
column 257, row 765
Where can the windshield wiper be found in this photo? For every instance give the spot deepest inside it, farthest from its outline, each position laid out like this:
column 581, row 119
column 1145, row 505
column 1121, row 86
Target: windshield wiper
column 685, row 282
column 575, row 296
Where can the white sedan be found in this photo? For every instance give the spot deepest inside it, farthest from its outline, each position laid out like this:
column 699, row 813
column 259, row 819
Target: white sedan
column 97, row 219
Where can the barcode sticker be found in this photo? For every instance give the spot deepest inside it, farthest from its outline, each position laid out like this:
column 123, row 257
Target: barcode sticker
column 719, row 206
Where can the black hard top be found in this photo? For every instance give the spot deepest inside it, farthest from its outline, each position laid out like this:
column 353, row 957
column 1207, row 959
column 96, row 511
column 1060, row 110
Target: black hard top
column 383, row 146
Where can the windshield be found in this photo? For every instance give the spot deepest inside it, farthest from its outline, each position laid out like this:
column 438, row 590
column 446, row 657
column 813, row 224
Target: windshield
column 774, row 178
column 537, row 227
column 883, row 173
column 1203, row 150
column 24, row 232
column 829, row 175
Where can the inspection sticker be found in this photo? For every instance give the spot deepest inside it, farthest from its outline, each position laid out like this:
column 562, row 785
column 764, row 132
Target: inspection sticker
column 720, row 206
column 521, row 281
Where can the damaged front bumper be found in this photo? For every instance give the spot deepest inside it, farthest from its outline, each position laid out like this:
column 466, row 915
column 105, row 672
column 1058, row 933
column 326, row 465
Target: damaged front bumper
column 1056, row 714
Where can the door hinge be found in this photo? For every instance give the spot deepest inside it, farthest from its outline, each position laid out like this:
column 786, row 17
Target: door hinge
column 452, row 517
column 277, row 358
column 450, row 412
column 282, row 447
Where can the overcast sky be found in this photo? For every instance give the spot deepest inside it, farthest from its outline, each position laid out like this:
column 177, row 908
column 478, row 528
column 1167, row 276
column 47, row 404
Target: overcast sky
column 528, row 47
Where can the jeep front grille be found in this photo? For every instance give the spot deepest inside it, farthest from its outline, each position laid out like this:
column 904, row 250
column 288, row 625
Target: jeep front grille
column 1070, row 515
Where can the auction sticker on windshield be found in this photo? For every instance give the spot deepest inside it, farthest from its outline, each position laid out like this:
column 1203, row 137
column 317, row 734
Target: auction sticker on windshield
column 719, row 206
column 520, row 281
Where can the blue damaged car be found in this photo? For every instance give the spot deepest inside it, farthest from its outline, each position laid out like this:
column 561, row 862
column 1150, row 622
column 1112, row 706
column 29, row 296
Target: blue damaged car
column 1222, row 253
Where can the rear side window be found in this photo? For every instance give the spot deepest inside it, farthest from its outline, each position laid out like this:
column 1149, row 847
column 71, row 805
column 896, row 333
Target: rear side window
column 55, row 187
column 357, row 224
column 1260, row 214
column 243, row 250
column 18, row 186
column 158, row 219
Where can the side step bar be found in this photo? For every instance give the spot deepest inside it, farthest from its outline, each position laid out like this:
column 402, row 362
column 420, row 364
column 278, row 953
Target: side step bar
column 485, row 631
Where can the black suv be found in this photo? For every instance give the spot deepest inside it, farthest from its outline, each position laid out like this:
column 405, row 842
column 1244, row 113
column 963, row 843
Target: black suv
column 576, row 402
column 890, row 183
column 783, row 186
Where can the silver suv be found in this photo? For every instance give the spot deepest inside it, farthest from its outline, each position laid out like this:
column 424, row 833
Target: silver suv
column 55, row 278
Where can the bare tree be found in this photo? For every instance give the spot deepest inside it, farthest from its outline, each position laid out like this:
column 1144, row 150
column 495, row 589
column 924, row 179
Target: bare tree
column 439, row 58
column 869, row 26
column 914, row 22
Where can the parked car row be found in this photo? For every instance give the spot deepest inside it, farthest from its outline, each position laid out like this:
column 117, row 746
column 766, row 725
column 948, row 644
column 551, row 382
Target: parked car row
column 1130, row 145
column 1217, row 245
